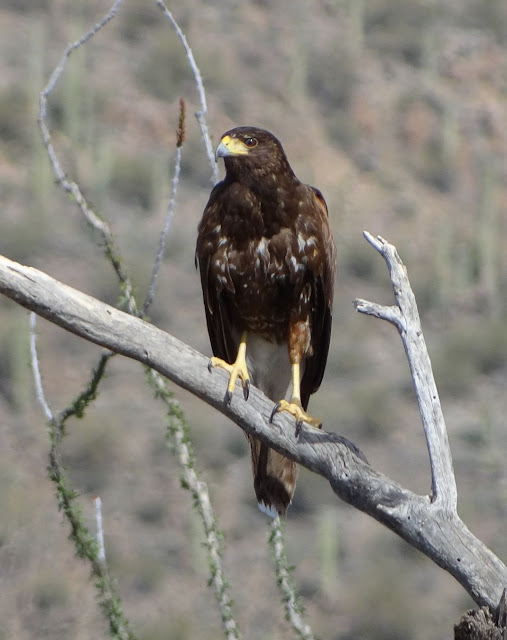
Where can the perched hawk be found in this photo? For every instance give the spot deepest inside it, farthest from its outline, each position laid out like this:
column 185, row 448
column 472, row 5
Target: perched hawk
column 267, row 261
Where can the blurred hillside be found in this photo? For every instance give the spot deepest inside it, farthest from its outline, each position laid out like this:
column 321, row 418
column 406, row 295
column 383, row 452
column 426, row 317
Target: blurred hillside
column 397, row 111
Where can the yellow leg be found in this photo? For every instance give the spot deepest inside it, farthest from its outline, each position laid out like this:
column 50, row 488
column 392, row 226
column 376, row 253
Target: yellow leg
column 236, row 370
column 294, row 407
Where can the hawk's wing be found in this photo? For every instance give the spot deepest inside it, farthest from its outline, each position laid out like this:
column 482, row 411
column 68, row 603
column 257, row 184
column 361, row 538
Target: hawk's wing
column 218, row 312
column 321, row 302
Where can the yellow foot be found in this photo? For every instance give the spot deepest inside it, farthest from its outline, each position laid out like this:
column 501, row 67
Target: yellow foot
column 236, row 370
column 294, row 408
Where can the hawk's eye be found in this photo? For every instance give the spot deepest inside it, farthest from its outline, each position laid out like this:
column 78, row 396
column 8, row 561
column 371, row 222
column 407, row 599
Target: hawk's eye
column 250, row 142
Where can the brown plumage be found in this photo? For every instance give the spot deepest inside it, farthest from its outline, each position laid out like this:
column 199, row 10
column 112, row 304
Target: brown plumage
column 267, row 261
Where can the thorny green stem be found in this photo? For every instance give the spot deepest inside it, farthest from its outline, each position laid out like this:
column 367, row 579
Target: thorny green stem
column 180, row 443
column 86, row 546
column 84, row 542
column 285, row 582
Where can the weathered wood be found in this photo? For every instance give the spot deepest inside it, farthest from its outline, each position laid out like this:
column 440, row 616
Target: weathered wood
column 478, row 625
column 430, row 526
column 405, row 317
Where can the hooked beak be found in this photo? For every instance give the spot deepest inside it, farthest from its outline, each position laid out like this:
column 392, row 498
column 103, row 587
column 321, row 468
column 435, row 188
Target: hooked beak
column 230, row 147
column 222, row 151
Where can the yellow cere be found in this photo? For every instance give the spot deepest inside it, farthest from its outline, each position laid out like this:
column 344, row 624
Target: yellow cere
column 235, row 146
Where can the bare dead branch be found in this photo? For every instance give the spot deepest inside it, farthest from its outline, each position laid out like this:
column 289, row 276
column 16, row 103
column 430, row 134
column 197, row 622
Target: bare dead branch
column 182, row 448
column 202, row 114
column 165, row 231
column 405, row 317
column 34, row 360
column 101, row 554
column 428, row 525
column 180, row 139
column 70, row 186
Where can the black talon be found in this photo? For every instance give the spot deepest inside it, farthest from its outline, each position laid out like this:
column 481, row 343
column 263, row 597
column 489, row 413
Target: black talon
column 246, row 389
column 275, row 410
column 228, row 397
column 210, row 366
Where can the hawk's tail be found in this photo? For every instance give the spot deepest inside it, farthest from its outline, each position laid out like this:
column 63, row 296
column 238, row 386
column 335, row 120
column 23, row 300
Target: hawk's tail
column 274, row 478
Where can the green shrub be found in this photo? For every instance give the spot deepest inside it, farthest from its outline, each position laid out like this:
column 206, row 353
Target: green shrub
column 470, row 350
column 398, row 28
column 331, row 79
column 27, row 5
column 50, row 591
column 15, row 118
column 165, row 72
column 136, row 17
column 359, row 261
column 432, row 158
column 376, row 410
column 490, row 16
column 132, row 181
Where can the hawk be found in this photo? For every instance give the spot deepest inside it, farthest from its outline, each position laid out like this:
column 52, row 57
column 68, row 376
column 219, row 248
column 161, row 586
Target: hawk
column 266, row 258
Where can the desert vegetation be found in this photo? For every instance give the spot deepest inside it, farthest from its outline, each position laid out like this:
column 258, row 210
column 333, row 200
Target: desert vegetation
column 396, row 110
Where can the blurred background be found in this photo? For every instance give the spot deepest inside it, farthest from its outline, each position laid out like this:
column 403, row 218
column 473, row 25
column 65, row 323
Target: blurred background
column 397, row 111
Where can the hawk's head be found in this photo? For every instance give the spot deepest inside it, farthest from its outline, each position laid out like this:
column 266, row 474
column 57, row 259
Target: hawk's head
column 252, row 152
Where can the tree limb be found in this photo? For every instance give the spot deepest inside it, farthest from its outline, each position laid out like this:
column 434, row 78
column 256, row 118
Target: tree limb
column 200, row 115
column 429, row 525
column 405, row 318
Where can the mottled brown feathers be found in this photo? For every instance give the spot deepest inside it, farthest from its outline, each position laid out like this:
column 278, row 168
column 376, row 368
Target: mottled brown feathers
column 267, row 261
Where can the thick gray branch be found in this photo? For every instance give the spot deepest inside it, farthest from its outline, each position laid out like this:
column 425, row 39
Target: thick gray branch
column 436, row 531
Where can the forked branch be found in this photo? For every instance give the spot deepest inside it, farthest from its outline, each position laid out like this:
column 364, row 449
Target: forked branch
column 428, row 523
column 405, row 318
